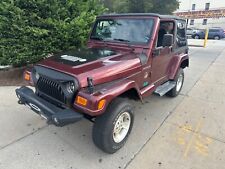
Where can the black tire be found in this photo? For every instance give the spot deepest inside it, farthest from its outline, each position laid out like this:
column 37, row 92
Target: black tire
column 102, row 133
column 196, row 37
column 174, row 92
column 217, row 37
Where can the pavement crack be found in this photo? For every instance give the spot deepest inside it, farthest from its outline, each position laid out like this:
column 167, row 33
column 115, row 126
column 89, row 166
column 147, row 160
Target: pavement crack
column 19, row 139
column 127, row 164
column 200, row 77
column 164, row 120
column 185, row 95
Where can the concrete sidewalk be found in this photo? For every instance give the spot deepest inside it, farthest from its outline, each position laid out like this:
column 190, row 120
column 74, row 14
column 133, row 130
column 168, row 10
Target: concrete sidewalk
column 194, row 135
column 183, row 132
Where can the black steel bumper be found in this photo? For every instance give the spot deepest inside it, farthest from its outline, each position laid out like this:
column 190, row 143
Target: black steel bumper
column 53, row 114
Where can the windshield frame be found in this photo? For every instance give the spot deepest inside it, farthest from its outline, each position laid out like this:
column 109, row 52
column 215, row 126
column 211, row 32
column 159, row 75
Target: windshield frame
column 124, row 42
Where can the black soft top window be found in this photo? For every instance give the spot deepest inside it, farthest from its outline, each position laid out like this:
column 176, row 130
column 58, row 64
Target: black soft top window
column 181, row 39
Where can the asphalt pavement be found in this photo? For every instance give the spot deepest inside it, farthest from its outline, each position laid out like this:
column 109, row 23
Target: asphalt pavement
column 183, row 132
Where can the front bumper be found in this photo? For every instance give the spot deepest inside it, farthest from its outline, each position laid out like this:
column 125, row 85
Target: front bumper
column 53, row 114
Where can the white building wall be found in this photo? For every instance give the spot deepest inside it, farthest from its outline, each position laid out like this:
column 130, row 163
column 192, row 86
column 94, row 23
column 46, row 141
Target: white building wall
column 217, row 22
column 200, row 4
column 186, row 5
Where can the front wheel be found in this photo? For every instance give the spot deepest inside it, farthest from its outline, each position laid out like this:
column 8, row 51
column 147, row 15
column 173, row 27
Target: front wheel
column 112, row 129
column 196, row 37
column 179, row 79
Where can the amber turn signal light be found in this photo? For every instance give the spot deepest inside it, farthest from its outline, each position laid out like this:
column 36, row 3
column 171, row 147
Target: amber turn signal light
column 27, row 76
column 101, row 104
column 82, row 101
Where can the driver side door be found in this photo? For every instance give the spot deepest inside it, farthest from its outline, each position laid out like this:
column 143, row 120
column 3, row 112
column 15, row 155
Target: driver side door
column 161, row 56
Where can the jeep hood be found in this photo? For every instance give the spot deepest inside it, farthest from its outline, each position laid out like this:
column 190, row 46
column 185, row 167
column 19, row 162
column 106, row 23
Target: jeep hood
column 101, row 64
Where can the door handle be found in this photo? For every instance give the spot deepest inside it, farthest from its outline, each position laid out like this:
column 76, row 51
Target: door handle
column 157, row 51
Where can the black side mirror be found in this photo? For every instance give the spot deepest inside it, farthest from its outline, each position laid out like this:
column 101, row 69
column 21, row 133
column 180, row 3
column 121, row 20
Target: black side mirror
column 167, row 40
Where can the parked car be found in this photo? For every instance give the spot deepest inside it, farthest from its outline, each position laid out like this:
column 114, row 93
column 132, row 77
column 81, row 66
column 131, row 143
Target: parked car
column 128, row 56
column 191, row 31
column 214, row 33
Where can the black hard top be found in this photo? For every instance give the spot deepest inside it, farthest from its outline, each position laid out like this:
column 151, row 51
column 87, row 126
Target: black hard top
column 142, row 14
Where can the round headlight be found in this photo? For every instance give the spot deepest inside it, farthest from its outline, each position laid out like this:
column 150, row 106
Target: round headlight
column 70, row 87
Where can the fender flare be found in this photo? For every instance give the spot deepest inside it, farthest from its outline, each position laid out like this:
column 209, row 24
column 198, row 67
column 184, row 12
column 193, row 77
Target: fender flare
column 176, row 63
column 122, row 87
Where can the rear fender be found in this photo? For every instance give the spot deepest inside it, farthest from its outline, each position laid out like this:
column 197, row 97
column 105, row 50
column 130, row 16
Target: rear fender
column 176, row 63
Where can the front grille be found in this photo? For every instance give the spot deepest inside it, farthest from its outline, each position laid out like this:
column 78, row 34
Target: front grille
column 51, row 88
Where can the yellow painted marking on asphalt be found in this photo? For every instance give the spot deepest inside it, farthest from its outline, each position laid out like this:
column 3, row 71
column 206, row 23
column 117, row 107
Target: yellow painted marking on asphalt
column 188, row 147
column 202, row 144
column 201, row 148
column 187, row 128
column 198, row 142
column 181, row 134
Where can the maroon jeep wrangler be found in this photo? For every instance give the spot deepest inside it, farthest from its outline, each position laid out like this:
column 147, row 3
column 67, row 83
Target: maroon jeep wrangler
column 128, row 56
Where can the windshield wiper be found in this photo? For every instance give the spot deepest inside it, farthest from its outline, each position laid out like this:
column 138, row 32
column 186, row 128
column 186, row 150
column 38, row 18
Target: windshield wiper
column 125, row 40
column 96, row 38
column 121, row 40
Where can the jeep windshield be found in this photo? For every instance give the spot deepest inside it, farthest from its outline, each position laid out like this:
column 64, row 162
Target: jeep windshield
column 123, row 30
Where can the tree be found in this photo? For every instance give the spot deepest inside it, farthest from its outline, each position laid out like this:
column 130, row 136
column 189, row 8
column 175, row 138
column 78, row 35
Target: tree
column 164, row 6
column 142, row 6
column 31, row 29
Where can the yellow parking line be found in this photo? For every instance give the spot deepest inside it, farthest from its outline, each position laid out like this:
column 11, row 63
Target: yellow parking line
column 187, row 149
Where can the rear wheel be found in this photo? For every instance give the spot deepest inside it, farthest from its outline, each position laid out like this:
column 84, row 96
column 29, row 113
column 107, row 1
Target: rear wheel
column 179, row 84
column 112, row 129
column 216, row 37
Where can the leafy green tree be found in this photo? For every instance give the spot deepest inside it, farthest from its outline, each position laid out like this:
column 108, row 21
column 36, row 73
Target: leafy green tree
column 31, row 29
column 164, row 6
column 141, row 6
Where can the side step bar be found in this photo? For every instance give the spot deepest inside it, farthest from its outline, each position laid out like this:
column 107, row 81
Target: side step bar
column 164, row 88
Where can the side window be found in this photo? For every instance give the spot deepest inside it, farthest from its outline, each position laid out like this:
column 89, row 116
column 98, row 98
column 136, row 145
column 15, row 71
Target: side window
column 204, row 22
column 213, row 30
column 166, row 27
column 181, row 34
column 193, row 7
column 192, row 22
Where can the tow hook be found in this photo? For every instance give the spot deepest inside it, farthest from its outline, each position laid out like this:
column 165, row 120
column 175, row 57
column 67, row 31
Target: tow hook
column 20, row 102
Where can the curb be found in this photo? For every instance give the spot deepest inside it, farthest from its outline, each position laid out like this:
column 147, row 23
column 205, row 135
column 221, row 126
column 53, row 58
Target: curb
column 12, row 77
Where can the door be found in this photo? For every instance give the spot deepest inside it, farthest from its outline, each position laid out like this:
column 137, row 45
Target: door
column 162, row 55
column 160, row 62
column 211, row 34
